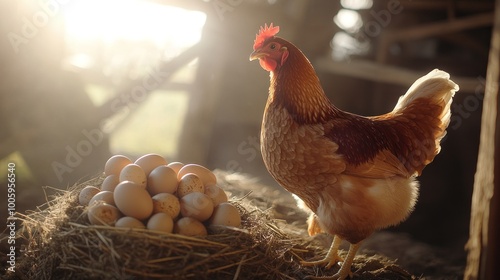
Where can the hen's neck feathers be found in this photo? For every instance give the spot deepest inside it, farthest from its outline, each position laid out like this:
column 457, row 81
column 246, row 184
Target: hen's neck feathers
column 296, row 87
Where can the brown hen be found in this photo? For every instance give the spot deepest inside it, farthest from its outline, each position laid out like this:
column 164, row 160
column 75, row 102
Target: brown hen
column 356, row 174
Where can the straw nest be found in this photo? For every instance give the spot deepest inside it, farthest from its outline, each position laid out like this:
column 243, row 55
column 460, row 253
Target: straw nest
column 60, row 244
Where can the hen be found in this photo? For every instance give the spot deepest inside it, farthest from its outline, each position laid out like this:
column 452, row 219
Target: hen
column 356, row 174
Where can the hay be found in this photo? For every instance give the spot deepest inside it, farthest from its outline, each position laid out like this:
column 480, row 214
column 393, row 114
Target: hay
column 60, row 244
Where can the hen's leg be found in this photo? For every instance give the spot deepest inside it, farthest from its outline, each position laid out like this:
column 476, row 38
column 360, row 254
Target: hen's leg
column 331, row 258
column 345, row 269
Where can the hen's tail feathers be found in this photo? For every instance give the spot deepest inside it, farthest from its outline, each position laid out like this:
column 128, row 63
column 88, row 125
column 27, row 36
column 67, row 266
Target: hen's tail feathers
column 435, row 85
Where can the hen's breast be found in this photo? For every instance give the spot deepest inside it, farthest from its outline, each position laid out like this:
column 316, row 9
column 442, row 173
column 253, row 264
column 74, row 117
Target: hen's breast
column 299, row 157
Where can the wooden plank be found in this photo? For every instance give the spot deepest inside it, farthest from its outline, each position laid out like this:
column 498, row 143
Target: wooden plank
column 377, row 72
column 483, row 246
column 429, row 30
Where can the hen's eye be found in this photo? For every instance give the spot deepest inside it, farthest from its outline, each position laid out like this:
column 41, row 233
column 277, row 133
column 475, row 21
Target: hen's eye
column 273, row 46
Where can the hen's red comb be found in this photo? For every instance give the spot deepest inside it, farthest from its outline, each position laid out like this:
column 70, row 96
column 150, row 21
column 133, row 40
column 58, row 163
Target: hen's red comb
column 265, row 33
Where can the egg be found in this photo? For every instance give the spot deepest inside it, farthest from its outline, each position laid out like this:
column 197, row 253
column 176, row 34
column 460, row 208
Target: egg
column 226, row 214
column 133, row 172
column 103, row 214
column 133, row 200
column 103, row 196
column 216, row 193
column 189, row 183
column 129, row 222
column 115, row 164
column 86, row 194
column 176, row 166
column 161, row 222
column 162, row 179
column 206, row 176
column 190, row 227
column 110, row 183
column 196, row 205
column 166, row 203
column 150, row 161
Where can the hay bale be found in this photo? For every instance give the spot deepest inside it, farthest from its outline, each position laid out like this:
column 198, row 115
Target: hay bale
column 60, row 244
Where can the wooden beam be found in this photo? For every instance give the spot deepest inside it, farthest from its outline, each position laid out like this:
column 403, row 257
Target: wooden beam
column 483, row 245
column 377, row 72
column 429, row 30
column 467, row 6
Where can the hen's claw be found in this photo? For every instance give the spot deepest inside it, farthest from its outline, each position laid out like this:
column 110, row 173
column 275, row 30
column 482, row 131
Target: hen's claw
column 329, row 261
column 332, row 257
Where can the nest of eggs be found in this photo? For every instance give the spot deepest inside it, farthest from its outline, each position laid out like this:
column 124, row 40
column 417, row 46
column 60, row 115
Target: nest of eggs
column 60, row 244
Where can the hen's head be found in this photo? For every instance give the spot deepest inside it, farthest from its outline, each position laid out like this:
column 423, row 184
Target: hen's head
column 269, row 49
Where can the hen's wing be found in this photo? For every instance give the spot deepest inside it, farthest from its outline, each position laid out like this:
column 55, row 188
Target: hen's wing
column 394, row 144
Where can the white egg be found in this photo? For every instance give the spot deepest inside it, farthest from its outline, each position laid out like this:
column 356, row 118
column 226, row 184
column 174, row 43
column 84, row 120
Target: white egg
column 226, row 214
column 161, row 222
column 133, row 200
column 150, row 161
column 206, row 176
column 86, row 194
column 134, row 173
column 189, row 183
column 115, row 164
column 162, row 179
column 196, row 205
column 190, row 227
column 166, row 203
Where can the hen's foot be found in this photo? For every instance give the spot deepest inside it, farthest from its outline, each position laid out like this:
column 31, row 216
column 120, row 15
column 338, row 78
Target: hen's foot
column 331, row 258
column 336, row 276
column 328, row 261
column 345, row 269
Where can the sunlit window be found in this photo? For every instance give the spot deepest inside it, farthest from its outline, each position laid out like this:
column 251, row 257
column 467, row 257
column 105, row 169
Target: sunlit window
column 113, row 42
column 357, row 4
column 348, row 20
column 346, row 43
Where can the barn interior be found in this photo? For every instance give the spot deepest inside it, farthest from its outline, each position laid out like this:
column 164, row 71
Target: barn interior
column 84, row 80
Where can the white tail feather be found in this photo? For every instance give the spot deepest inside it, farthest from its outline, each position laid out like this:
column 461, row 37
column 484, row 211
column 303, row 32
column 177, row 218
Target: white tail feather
column 436, row 84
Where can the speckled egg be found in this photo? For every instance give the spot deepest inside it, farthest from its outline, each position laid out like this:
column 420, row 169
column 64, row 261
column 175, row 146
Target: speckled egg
column 166, row 203
column 206, row 176
column 189, row 183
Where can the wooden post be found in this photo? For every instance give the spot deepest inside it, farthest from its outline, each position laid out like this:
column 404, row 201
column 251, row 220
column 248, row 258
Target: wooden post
column 483, row 244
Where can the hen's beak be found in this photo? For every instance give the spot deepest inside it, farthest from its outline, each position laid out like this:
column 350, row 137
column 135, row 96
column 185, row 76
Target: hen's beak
column 257, row 54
